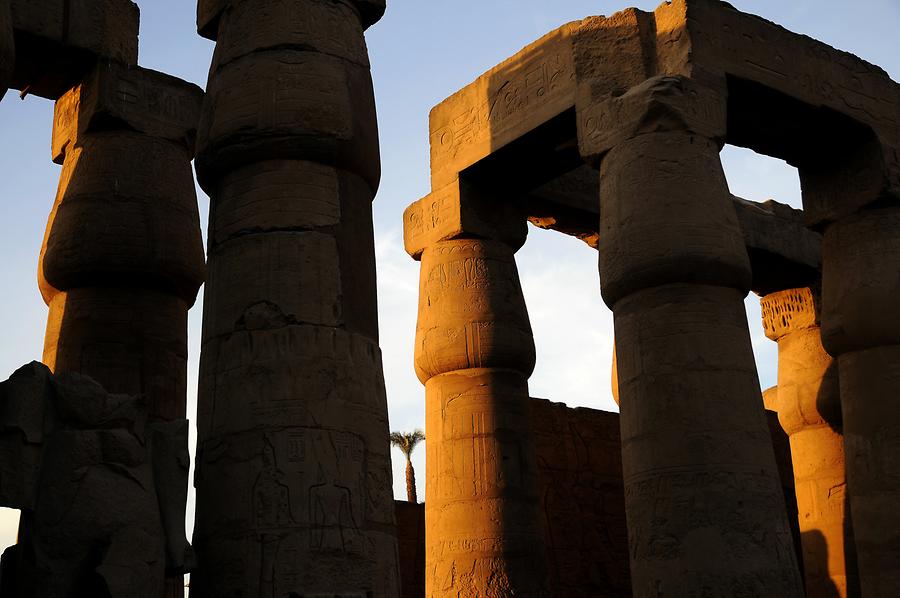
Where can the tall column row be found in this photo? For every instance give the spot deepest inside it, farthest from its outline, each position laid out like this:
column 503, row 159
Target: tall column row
column 704, row 505
column 474, row 352
column 293, row 468
column 808, row 403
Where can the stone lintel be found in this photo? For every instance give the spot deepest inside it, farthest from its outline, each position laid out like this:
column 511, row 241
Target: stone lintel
column 209, row 12
column 458, row 211
column 115, row 95
column 503, row 104
column 57, row 40
column 659, row 104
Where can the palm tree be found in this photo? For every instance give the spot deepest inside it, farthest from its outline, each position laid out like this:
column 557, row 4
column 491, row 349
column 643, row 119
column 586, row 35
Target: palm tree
column 407, row 444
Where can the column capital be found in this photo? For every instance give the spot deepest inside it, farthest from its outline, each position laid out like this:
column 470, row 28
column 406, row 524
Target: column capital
column 119, row 96
column 459, row 210
column 788, row 311
column 658, row 105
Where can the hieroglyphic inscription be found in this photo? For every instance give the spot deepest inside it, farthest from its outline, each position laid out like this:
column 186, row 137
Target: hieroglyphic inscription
column 503, row 104
column 787, row 311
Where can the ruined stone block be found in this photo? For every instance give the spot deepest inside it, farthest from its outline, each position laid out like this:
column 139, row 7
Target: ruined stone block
column 95, row 487
column 459, row 210
column 115, row 95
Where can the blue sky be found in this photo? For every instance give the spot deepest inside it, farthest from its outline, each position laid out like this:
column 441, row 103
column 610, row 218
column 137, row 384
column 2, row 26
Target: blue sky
column 421, row 52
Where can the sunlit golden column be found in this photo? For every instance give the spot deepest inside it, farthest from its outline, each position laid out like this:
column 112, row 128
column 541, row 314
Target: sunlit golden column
column 808, row 403
column 704, row 503
column 474, row 353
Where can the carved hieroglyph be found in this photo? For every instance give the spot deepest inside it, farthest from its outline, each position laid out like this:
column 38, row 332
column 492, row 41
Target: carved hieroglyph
column 103, row 490
column 122, row 259
column 474, row 352
column 293, row 475
column 808, row 403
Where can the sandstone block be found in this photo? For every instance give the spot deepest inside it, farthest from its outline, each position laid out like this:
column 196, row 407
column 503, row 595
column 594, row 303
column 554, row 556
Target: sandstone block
column 658, row 105
column 130, row 340
column 484, row 531
column 95, row 488
column 305, row 375
column 860, row 283
column 471, row 310
column 503, row 104
column 59, row 41
column 116, row 95
column 210, row 12
column 331, row 28
column 289, row 105
column 142, row 228
column 666, row 216
column 273, row 280
column 460, row 210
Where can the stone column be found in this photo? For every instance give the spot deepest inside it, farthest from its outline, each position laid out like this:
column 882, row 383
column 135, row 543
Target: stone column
column 293, row 469
column 122, row 258
column 705, row 510
column 474, row 353
column 861, row 329
column 809, row 410
column 7, row 48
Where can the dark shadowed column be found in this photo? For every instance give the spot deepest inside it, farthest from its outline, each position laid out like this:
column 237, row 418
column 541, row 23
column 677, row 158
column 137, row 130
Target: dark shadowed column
column 293, row 467
column 7, row 47
column 122, row 259
column 704, row 504
column 808, row 403
column 861, row 328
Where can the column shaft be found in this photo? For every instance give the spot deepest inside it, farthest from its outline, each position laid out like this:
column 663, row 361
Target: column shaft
column 293, row 470
column 861, row 328
column 809, row 410
column 475, row 351
column 704, row 505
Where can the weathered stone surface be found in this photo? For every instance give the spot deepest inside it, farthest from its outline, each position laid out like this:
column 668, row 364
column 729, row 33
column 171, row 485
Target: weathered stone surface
column 134, row 340
column 582, row 502
column 809, row 408
column 484, row 532
column 117, row 95
column 861, row 328
column 658, row 105
column 7, row 48
column 293, row 481
column 92, row 489
column 149, row 232
column 296, row 15
column 674, row 270
column 511, row 99
column 264, row 107
column 411, row 547
column 460, row 211
column 471, row 310
column 666, row 216
column 60, row 39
